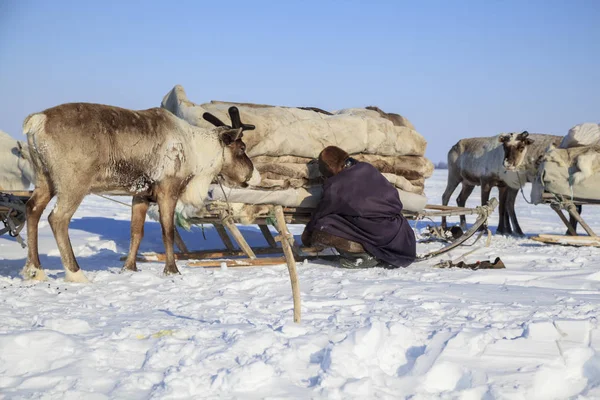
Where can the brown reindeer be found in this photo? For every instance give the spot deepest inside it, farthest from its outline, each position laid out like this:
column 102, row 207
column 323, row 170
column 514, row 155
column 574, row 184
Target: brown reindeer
column 82, row 148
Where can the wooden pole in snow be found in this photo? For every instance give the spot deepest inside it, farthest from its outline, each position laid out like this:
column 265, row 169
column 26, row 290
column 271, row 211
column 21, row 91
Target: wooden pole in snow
column 286, row 242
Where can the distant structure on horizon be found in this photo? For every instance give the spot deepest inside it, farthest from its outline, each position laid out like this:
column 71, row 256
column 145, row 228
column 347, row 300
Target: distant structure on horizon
column 441, row 165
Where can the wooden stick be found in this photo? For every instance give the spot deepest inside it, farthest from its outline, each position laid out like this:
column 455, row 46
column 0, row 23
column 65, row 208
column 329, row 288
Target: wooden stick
column 593, row 241
column 204, row 254
column 257, row 262
column 224, row 236
column 19, row 193
column 241, row 262
column 268, row 235
column 573, row 211
column 237, row 236
column 564, row 219
column 211, row 219
column 180, row 243
column 291, row 262
column 445, row 208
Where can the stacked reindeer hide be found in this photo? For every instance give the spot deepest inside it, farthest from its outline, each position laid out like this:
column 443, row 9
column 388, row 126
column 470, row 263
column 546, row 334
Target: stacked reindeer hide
column 287, row 140
column 585, row 134
column 571, row 169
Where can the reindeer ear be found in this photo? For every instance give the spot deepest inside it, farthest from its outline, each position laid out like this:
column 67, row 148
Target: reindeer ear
column 523, row 135
column 529, row 141
column 230, row 135
column 503, row 138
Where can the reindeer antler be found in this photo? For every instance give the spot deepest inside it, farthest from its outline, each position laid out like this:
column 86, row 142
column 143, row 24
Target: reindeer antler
column 234, row 114
column 236, row 121
column 213, row 120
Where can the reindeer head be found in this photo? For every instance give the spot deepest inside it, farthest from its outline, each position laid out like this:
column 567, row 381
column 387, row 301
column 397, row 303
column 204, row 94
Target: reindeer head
column 237, row 169
column 515, row 148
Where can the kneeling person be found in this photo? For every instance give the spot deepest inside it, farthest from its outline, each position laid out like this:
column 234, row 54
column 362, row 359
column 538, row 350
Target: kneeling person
column 360, row 215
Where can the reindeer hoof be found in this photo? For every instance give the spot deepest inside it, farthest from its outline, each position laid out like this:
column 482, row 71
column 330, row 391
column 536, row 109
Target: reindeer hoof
column 132, row 268
column 171, row 270
column 30, row 272
column 76, row 277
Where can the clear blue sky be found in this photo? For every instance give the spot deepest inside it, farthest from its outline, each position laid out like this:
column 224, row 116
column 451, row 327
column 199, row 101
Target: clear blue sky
column 454, row 68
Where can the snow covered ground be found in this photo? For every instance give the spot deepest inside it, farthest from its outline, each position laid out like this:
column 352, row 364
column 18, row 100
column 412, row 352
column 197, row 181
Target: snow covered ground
column 529, row 331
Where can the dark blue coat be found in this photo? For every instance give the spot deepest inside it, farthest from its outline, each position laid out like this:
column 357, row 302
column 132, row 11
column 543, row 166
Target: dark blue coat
column 361, row 205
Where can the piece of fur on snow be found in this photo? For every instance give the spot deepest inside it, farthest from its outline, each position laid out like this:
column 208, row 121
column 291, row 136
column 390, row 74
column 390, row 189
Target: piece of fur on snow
column 586, row 134
column 304, row 133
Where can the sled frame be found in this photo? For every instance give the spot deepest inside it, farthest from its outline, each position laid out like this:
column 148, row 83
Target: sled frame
column 560, row 203
column 246, row 256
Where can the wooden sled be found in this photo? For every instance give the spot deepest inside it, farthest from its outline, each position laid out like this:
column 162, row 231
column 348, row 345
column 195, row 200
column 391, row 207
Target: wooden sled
column 246, row 256
column 288, row 253
column 559, row 203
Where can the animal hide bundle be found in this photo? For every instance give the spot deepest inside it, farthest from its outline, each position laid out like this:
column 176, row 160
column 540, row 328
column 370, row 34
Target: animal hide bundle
column 569, row 172
column 287, row 140
column 304, row 133
column 586, row 134
column 405, row 172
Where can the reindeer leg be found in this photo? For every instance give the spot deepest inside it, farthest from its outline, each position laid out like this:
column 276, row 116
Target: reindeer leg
column 461, row 200
column 503, row 220
column 139, row 207
column 35, row 208
column 512, row 198
column 486, row 189
column 450, row 188
column 60, row 217
column 167, row 201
